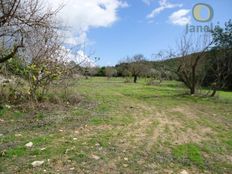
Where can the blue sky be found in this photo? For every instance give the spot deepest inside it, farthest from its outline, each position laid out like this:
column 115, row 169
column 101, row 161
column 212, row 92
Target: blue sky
column 115, row 29
column 133, row 33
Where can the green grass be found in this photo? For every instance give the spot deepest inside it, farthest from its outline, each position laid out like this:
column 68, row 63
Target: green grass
column 16, row 152
column 2, row 111
column 41, row 140
column 132, row 128
column 225, row 95
column 79, row 157
column 189, row 152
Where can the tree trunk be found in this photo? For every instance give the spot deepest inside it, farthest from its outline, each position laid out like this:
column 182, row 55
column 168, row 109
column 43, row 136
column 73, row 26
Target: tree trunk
column 214, row 92
column 135, row 79
column 193, row 86
column 192, row 91
column 12, row 54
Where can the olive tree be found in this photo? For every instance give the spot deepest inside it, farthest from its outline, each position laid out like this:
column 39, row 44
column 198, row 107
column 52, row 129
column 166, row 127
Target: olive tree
column 110, row 72
column 136, row 66
column 221, row 62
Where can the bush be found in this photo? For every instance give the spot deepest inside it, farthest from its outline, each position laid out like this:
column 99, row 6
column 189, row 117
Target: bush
column 74, row 99
column 127, row 80
column 55, row 99
column 152, row 82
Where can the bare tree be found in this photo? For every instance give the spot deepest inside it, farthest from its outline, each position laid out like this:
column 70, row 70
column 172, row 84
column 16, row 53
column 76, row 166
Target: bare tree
column 18, row 20
column 45, row 57
column 110, row 72
column 93, row 71
column 192, row 53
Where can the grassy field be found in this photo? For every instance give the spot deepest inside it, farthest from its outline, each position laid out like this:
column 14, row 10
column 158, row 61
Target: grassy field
column 121, row 128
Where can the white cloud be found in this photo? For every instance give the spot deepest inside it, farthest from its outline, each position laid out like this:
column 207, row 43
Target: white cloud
column 163, row 5
column 79, row 57
column 82, row 15
column 79, row 16
column 75, row 37
column 180, row 17
column 124, row 4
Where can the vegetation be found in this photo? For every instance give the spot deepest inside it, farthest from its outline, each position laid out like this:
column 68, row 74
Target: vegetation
column 197, row 62
column 192, row 52
column 58, row 116
column 120, row 127
column 220, row 71
column 19, row 21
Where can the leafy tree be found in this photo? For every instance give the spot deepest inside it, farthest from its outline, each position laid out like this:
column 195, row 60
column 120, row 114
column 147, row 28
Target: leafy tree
column 101, row 71
column 136, row 66
column 40, row 74
column 220, row 72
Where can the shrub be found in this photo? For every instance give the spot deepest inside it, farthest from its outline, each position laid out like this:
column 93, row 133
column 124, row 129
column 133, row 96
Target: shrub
column 74, row 99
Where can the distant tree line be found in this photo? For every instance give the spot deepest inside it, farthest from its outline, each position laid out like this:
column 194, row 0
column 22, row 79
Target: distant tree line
column 198, row 61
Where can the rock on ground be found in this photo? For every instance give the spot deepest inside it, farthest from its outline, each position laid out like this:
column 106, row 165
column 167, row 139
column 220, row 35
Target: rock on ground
column 37, row 163
column 30, row 144
column 95, row 157
column 183, row 172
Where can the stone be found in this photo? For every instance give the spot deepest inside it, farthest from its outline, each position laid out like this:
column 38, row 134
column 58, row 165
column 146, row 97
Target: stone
column 29, row 145
column 77, row 132
column 183, row 172
column 126, row 159
column 95, row 157
column 18, row 135
column 8, row 106
column 125, row 165
column 37, row 163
